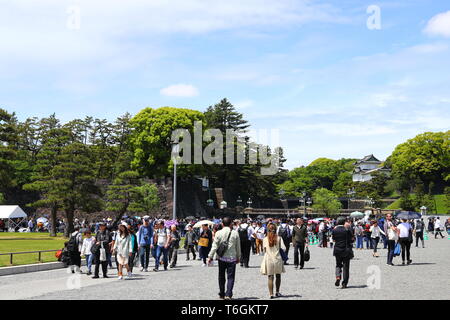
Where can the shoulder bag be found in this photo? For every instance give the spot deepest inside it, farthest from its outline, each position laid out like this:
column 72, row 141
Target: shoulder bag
column 223, row 247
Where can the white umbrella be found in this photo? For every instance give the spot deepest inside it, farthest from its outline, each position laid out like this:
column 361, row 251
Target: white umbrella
column 42, row 220
column 200, row 223
column 356, row 214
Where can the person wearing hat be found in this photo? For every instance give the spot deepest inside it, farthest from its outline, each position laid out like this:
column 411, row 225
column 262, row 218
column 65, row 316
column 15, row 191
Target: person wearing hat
column 102, row 240
column 123, row 249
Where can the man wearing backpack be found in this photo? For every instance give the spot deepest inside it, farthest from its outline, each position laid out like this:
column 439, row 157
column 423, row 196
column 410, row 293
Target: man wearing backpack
column 418, row 231
column 74, row 250
column 285, row 233
column 245, row 233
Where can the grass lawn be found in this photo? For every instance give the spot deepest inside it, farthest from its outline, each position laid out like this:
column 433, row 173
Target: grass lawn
column 439, row 199
column 440, row 204
column 32, row 241
column 27, row 241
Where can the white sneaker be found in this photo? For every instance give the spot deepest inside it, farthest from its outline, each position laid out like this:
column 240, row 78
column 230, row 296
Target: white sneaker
column 120, row 278
column 145, row 270
column 129, row 275
column 204, row 265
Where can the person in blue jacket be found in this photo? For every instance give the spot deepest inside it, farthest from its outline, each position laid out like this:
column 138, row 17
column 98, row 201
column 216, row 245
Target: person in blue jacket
column 145, row 243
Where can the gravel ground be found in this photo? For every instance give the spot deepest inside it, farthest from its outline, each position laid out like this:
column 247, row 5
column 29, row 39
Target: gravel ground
column 370, row 278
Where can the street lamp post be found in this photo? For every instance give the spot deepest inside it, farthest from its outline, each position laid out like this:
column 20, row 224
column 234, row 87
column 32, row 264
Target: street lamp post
column 302, row 200
column 423, row 210
column 309, row 204
column 350, row 193
column 249, row 202
column 175, row 150
column 223, row 204
column 239, row 201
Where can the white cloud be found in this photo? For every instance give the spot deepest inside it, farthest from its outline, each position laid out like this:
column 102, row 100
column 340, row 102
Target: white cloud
column 244, row 104
column 439, row 25
column 179, row 90
column 430, row 48
column 384, row 99
column 346, row 129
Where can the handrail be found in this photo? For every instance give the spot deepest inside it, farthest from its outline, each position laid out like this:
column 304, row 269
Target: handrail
column 11, row 254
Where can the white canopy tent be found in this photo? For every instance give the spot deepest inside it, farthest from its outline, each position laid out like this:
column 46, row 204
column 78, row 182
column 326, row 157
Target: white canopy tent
column 12, row 212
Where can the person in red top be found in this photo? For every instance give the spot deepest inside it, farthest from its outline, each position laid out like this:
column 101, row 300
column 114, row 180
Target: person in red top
column 367, row 238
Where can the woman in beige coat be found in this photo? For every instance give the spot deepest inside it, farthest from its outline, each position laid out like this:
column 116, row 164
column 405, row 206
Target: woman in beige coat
column 272, row 264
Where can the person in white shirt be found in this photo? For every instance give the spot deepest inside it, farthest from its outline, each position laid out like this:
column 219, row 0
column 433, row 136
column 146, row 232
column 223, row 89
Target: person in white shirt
column 405, row 239
column 259, row 237
column 375, row 234
column 123, row 250
column 438, row 228
column 163, row 238
column 88, row 242
column 253, row 237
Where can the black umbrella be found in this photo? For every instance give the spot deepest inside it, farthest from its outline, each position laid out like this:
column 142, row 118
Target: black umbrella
column 408, row 215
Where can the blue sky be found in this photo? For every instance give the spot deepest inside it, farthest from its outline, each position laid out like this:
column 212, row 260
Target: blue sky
column 311, row 69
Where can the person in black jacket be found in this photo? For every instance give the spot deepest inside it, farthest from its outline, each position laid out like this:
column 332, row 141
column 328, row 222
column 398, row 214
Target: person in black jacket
column 190, row 242
column 300, row 240
column 205, row 243
column 343, row 252
column 102, row 240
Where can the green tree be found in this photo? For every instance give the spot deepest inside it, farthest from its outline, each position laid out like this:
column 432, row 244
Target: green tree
column 326, row 202
column 151, row 138
column 145, row 199
column 447, row 198
column 342, row 184
column 406, row 202
column 425, row 157
column 121, row 193
column 8, row 149
column 321, row 173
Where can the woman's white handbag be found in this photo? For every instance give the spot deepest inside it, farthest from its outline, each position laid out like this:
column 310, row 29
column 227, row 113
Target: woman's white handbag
column 102, row 254
column 392, row 235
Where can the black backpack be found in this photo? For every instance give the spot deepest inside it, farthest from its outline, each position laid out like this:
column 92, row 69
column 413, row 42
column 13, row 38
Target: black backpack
column 243, row 234
column 72, row 246
column 283, row 232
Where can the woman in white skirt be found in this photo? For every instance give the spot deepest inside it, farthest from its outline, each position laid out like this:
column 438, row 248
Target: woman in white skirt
column 123, row 249
column 272, row 264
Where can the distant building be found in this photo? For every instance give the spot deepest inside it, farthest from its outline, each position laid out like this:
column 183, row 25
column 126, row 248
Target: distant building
column 365, row 167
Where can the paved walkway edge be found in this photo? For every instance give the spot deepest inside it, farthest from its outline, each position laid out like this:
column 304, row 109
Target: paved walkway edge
column 7, row 271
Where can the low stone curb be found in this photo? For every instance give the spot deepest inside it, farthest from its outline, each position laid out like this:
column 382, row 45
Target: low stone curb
column 6, row 271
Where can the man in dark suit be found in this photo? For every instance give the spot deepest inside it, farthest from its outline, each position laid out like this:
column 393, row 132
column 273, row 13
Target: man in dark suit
column 343, row 251
column 300, row 240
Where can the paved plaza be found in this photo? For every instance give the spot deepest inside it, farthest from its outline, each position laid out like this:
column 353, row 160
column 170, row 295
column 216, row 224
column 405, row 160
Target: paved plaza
column 426, row 278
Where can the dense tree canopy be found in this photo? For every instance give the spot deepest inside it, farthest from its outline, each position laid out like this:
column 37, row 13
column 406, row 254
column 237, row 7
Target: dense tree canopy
column 424, row 158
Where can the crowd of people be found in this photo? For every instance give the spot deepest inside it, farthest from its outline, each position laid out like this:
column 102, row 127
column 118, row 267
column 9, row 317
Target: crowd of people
column 232, row 242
